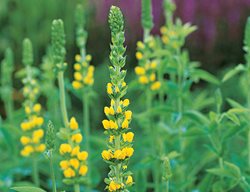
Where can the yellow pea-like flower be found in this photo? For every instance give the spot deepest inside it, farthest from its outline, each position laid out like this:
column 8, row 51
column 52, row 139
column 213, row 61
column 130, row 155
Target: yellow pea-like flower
column 125, row 124
column 111, row 138
column 83, row 170
column 128, row 115
column 76, row 84
column 126, row 102
column 129, row 180
column 69, row 173
column 119, row 109
column 74, row 163
column 106, row 110
column 75, row 151
column 64, row 164
column 139, row 55
column 25, row 140
column 155, row 86
column 76, row 138
column 140, row 70
column 128, row 137
column 107, row 155
column 65, row 148
column 143, row 79
column 41, row 148
column 78, row 76
column 78, row 58
column 140, row 45
column 128, row 151
column 152, row 77
column 106, row 124
column 109, row 89
column 77, row 67
column 88, row 57
column 37, row 107
column 114, row 186
column 38, row 133
column 27, row 110
column 73, row 123
column 119, row 154
column 82, row 156
column 113, row 125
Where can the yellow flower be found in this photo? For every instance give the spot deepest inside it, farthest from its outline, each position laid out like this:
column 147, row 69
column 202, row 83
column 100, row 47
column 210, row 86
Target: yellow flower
column 143, row 79
column 83, row 170
column 88, row 57
column 73, row 123
column 117, row 90
column 128, row 137
column 78, row 58
column 75, row 151
column 124, row 167
column 64, row 164
column 74, row 163
column 139, row 55
column 68, row 173
column 139, row 70
column 113, row 125
column 27, row 150
column 106, row 110
column 78, row 76
column 76, row 84
column 82, row 156
column 165, row 39
column 140, row 45
column 119, row 154
column 126, row 102
column 125, row 124
column 88, row 80
column 41, row 148
column 119, row 109
column 114, row 186
column 107, row 155
column 77, row 66
column 153, row 64
column 38, row 121
column 111, row 111
column 25, row 126
column 129, row 180
column 65, row 148
column 128, row 151
column 38, row 133
column 27, row 110
column 109, row 89
column 128, row 115
column 152, row 77
column 91, row 69
column 111, row 138
column 84, row 64
column 156, row 85
column 76, row 138
column 37, row 108
column 163, row 30
column 124, row 84
column 25, row 140
column 106, row 124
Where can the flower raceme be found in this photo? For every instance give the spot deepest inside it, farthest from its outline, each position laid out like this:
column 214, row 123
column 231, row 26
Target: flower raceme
column 74, row 160
column 146, row 71
column 84, row 72
column 118, row 116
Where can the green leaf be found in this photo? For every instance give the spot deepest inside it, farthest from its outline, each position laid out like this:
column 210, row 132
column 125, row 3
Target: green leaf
column 204, row 75
column 27, row 189
column 233, row 118
column 233, row 72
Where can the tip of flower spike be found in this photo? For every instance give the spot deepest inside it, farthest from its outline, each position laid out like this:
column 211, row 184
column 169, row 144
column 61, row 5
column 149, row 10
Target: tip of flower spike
column 116, row 19
column 27, row 52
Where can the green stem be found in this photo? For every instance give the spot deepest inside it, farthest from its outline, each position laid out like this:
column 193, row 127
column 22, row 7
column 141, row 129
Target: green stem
column 52, row 172
column 35, row 172
column 146, row 34
column 249, row 148
column 167, row 187
column 62, row 98
column 76, row 188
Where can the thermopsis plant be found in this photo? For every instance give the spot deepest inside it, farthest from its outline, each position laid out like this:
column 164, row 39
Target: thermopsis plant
column 117, row 125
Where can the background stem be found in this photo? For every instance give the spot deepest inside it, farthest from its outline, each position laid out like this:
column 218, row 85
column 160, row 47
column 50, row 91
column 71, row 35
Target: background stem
column 52, row 172
column 35, row 172
column 76, row 188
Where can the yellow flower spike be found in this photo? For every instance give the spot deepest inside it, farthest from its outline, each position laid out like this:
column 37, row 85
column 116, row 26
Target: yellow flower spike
column 27, row 110
column 126, row 102
column 139, row 70
column 25, row 140
column 76, row 85
column 69, row 173
column 139, row 55
column 74, row 163
column 128, row 114
column 111, row 138
column 65, row 148
column 125, row 124
column 109, row 89
column 128, row 137
column 88, row 57
column 129, row 180
column 143, row 79
column 106, row 110
column 76, row 138
column 78, row 58
column 78, row 76
column 83, row 170
column 64, row 164
column 163, row 30
column 155, row 86
column 77, row 67
column 75, row 151
column 152, row 77
column 111, row 111
column 73, row 123
column 40, row 148
column 106, row 155
column 37, row 108
column 140, row 45
column 118, row 154
column 82, row 156
column 119, row 109
column 106, row 124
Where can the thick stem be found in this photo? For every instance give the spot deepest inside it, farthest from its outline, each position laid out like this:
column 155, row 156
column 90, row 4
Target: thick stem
column 76, row 188
column 167, row 186
column 62, row 98
column 52, row 172
column 35, row 172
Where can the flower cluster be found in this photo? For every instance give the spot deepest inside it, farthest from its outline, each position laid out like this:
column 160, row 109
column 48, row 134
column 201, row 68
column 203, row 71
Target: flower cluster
column 83, row 75
column 74, row 162
column 147, row 69
column 170, row 37
column 33, row 133
column 118, row 116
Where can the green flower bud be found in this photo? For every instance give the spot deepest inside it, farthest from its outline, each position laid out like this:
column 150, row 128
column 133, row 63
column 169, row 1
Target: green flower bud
column 81, row 33
column 50, row 136
column 147, row 19
column 27, row 52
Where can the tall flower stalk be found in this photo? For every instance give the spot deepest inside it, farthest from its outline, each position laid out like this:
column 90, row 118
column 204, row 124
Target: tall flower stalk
column 118, row 116
column 32, row 125
column 7, row 67
column 84, row 72
column 73, row 162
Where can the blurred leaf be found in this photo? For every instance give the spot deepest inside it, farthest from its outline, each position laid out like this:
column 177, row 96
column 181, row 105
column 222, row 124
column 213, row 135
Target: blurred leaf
column 204, row 75
column 233, row 72
column 27, row 189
